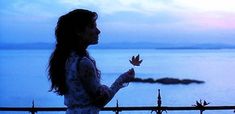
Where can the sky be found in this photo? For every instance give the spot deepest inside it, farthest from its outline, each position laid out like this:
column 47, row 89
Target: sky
column 155, row 21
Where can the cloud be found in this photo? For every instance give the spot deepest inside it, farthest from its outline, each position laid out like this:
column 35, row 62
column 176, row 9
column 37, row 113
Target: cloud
column 37, row 10
column 110, row 6
column 198, row 13
column 190, row 14
column 219, row 21
column 206, row 5
column 153, row 6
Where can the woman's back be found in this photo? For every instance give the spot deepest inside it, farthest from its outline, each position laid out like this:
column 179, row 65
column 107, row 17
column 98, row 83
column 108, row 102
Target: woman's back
column 77, row 96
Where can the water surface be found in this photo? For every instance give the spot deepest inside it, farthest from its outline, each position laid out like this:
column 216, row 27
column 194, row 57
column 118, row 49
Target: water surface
column 23, row 77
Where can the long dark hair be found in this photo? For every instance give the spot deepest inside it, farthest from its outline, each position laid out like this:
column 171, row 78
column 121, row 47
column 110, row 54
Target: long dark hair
column 67, row 40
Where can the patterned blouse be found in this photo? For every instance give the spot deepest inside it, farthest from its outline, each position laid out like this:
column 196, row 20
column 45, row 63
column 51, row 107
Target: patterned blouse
column 86, row 95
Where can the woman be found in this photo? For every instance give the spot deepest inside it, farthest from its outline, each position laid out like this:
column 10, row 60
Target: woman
column 72, row 72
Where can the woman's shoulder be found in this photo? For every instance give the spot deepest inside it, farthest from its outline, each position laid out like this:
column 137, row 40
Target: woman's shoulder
column 86, row 62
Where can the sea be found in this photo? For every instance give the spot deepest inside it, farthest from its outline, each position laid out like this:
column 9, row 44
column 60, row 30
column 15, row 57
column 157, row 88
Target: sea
column 24, row 78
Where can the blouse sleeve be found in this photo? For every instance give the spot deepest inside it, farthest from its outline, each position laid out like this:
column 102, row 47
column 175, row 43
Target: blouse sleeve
column 100, row 94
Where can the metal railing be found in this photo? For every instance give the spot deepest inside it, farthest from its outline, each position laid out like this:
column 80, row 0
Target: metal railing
column 199, row 106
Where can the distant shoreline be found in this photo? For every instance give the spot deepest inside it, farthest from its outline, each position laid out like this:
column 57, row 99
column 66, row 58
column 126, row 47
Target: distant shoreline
column 41, row 46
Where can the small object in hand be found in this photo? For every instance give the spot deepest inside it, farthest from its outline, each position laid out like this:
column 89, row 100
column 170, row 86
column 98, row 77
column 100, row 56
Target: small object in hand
column 135, row 61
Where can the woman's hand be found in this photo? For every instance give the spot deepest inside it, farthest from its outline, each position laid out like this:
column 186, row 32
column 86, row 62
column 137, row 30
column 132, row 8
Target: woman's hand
column 131, row 74
column 128, row 76
column 124, row 79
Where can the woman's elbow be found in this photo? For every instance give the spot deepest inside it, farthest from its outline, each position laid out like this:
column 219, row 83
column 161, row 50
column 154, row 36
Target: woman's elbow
column 101, row 101
column 103, row 96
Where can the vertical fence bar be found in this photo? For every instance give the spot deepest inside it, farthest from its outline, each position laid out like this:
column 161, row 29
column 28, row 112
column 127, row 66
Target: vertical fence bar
column 201, row 112
column 32, row 111
column 117, row 108
column 159, row 102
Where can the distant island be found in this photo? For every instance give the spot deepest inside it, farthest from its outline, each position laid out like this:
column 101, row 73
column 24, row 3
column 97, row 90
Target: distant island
column 42, row 45
column 168, row 81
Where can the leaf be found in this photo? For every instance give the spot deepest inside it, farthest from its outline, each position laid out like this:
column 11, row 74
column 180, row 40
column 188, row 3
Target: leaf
column 135, row 61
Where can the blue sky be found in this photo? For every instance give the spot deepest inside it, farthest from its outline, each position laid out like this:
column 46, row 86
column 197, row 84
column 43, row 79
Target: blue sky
column 160, row 21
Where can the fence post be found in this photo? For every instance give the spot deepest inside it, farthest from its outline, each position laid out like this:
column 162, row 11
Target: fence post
column 32, row 111
column 159, row 102
column 117, row 110
column 201, row 111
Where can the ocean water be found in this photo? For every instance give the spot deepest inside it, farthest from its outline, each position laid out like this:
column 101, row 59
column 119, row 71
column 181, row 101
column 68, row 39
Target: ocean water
column 23, row 78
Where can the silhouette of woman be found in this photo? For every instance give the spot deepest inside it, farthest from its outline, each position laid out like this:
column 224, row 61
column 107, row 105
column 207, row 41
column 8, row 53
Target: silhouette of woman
column 72, row 72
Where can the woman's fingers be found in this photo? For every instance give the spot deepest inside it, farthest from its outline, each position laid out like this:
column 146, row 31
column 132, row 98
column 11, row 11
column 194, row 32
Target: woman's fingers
column 131, row 74
column 131, row 71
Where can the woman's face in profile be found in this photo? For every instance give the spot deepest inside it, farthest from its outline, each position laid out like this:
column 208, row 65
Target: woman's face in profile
column 91, row 34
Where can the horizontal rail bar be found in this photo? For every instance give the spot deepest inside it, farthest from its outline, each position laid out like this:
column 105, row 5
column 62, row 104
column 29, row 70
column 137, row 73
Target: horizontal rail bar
column 170, row 108
column 140, row 108
column 32, row 109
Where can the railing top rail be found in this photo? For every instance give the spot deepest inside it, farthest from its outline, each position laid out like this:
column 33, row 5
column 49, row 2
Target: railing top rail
column 120, row 108
column 200, row 105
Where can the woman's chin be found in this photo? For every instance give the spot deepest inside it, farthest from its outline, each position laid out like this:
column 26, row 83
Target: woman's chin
column 94, row 43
